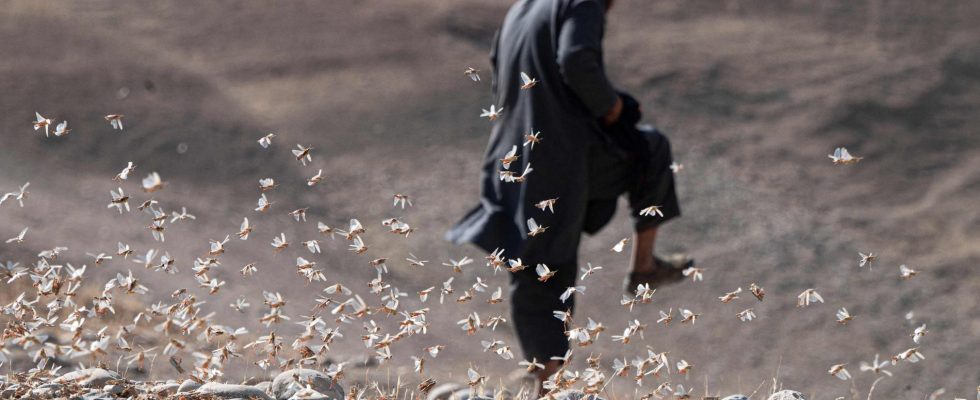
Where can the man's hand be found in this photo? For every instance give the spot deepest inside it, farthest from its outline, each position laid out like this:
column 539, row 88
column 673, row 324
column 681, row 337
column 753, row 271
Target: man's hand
column 613, row 115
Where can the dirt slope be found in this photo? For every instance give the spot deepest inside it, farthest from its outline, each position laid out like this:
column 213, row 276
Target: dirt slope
column 753, row 94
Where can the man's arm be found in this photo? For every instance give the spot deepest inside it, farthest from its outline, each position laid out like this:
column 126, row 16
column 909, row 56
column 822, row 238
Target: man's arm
column 580, row 60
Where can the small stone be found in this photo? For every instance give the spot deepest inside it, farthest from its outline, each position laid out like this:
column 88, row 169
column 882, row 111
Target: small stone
column 96, row 395
column 737, row 397
column 166, row 389
column 787, row 395
column 113, row 389
column 231, row 391
column 47, row 391
column 286, row 384
column 188, row 386
column 89, row 377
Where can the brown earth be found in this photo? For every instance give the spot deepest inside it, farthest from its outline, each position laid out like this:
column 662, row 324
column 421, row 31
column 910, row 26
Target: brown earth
column 753, row 94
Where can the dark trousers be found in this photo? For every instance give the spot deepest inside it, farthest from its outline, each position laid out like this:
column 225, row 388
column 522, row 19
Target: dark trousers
column 646, row 182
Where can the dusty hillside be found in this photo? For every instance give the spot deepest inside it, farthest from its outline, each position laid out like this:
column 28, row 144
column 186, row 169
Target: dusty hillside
column 754, row 95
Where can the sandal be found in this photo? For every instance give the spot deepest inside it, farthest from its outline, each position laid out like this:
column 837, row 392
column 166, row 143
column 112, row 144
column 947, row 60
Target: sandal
column 669, row 270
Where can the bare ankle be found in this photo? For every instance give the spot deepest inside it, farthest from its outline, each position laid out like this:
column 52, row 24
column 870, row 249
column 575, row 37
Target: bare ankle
column 542, row 375
column 642, row 259
column 645, row 264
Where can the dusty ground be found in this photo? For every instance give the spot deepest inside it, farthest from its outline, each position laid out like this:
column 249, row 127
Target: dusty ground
column 753, row 94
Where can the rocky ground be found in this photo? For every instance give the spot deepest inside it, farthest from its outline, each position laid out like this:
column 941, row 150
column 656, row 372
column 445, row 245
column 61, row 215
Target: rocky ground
column 296, row 384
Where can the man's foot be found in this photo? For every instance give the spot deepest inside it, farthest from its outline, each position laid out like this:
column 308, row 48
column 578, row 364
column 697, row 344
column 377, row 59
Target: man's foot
column 666, row 271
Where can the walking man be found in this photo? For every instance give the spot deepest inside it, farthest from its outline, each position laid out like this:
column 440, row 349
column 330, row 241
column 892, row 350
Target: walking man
column 576, row 141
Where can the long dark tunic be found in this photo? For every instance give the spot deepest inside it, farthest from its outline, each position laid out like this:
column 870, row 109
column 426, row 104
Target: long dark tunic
column 586, row 166
column 558, row 42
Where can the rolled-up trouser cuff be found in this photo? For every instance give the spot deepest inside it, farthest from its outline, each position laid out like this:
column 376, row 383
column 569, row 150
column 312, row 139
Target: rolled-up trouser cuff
column 655, row 186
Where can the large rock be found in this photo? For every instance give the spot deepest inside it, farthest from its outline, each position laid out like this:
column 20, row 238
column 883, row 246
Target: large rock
column 166, row 389
column 89, row 377
column 576, row 395
column 230, row 391
column 309, row 394
column 188, row 386
column 443, row 391
column 467, row 394
column 286, row 384
column 787, row 395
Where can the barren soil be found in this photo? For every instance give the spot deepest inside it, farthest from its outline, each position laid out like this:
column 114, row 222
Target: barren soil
column 753, row 94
